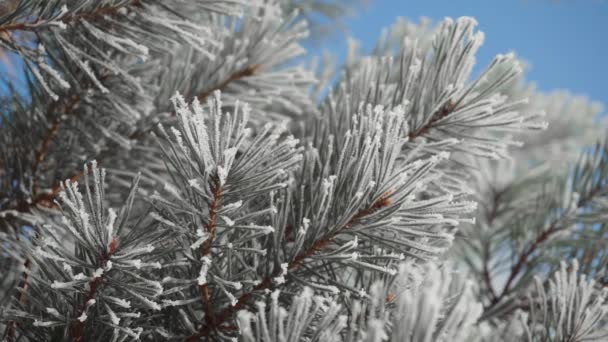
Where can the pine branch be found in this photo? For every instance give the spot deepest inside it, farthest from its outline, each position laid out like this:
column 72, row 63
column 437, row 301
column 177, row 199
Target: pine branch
column 245, row 72
column 43, row 151
column 523, row 258
column 446, row 110
column 54, row 112
column 267, row 283
column 202, row 97
column 96, row 14
column 77, row 328
column 47, row 199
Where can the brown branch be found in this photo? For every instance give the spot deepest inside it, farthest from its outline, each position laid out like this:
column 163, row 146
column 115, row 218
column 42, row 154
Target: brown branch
column 523, row 258
column 246, row 72
column 206, row 248
column 77, row 328
column 46, row 199
column 227, row 313
column 71, row 18
column 43, row 151
column 446, row 110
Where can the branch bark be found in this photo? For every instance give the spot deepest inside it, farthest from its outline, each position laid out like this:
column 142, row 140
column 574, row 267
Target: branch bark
column 77, row 328
column 206, row 248
column 446, row 110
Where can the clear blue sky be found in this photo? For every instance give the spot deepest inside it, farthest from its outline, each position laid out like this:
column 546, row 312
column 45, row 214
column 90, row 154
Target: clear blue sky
column 565, row 42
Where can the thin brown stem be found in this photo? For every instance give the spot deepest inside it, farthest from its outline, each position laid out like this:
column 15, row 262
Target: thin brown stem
column 437, row 116
column 77, row 328
column 227, row 313
column 206, row 248
column 43, row 151
column 246, row 72
column 71, row 18
column 524, row 257
column 522, row 260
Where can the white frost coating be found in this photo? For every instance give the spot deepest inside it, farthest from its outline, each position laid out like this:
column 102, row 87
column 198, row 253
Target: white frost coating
column 325, row 186
column 54, row 74
column 110, row 226
column 267, row 229
column 115, row 319
column 44, row 84
column 135, row 263
column 280, row 279
column 62, row 11
column 305, row 225
column 194, row 183
column 83, row 317
column 53, row 312
column 228, row 220
column 173, row 191
column 38, row 323
column 222, row 174
column 232, row 206
column 203, row 236
column 362, row 293
column 98, row 273
column 120, row 302
column 80, row 276
column 233, row 300
column 151, row 304
column 202, row 277
column 63, row 285
column 161, row 219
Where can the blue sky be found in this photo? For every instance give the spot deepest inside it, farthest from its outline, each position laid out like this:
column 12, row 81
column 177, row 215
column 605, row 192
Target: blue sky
column 565, row 42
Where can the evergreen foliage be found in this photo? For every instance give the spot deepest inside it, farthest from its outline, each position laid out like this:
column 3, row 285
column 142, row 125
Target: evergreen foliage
column 173, row 170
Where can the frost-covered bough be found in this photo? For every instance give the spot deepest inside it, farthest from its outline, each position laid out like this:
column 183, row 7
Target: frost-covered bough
column 219, row 204
column 262, row 215
column 115, row 65
column 568, row 307
column 562, row 216
column 541, row 204
column 84, row 276
column 259, row 213
column 247, row 64
column 444, row 109
column 427, row 303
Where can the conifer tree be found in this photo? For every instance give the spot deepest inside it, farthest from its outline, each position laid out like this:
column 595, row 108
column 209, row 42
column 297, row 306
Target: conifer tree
column 178, row 170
